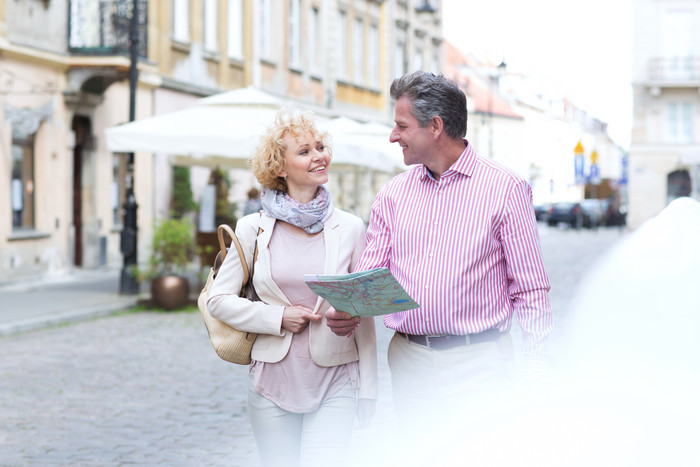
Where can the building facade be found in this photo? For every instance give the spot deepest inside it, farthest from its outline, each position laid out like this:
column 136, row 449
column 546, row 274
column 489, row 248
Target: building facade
column 664, row 156
column 66, row 76
column 517, row 122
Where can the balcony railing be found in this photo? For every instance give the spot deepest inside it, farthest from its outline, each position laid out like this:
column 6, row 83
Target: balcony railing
column 674, row 69
column 102, row 28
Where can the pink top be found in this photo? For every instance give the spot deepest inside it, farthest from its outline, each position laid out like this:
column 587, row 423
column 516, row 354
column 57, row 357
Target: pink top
column 465, row 247
column 295, row 255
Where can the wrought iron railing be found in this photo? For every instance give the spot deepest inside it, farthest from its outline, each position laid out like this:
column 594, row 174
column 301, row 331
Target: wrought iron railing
column 103, row 27
column 674, row 69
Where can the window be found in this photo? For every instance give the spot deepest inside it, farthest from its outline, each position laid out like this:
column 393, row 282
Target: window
column 418, row 59
column 374, row 55
column 235, row 29
column 22, row 185
column 118, row 187
column 400, row 59
column 435, row 64
column 342, row 45
column 294, row 32
column 265, row 29
column 211, row 25
column 677, row 43
column 181, row 20
column 314, row 59
column 358, row 51
column 679, row 122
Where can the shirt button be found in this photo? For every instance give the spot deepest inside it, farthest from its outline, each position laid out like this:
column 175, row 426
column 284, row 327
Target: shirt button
column 435, row 223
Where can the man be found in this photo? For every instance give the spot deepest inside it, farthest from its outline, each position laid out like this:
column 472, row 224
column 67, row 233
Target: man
column 458, row 231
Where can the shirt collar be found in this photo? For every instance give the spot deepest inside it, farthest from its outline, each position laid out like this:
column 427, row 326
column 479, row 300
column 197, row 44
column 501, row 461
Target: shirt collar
column 464, row 165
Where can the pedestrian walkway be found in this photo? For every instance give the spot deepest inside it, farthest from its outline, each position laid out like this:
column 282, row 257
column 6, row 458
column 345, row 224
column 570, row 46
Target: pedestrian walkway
column 74, row 296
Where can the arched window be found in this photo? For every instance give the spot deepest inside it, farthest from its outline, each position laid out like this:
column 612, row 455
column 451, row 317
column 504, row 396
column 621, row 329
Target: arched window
column 678, row 185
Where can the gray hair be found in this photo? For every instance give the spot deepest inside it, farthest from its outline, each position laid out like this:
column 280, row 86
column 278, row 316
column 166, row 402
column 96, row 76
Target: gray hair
column 433, row 95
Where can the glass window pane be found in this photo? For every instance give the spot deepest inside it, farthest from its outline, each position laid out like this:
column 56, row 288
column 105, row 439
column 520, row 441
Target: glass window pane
column 181, row 20
column 374, row 55
column 211, row 29
column 235, row 29
column 22, row 186
column 342, row 45
column 294, row 36
column 265, row 30
column 358, row 51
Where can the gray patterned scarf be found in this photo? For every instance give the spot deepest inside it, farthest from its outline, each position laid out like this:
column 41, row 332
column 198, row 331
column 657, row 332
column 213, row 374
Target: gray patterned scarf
column 309, row 216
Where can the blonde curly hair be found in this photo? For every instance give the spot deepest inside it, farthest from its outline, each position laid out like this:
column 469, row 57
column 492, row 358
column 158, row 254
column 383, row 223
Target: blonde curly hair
column 268, row 160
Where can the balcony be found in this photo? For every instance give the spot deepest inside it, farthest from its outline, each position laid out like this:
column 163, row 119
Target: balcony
column 675, row 72
column 102, row 28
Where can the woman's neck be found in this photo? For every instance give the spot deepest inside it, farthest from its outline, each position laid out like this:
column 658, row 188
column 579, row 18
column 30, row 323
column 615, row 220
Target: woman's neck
column 303, row 196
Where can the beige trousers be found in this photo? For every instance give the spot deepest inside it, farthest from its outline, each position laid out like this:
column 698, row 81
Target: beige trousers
column 432, row 384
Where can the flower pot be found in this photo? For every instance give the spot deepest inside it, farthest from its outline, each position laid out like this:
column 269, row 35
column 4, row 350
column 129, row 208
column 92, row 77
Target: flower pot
column 170, row 292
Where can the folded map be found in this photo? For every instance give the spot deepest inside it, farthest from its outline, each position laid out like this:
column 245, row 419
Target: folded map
column 366, row 293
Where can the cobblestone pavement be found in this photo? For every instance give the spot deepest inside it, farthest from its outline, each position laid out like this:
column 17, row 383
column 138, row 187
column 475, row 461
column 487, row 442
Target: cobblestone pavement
column 146, row 389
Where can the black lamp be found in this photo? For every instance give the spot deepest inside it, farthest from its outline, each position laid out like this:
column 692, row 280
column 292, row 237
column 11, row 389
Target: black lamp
column 426, row 7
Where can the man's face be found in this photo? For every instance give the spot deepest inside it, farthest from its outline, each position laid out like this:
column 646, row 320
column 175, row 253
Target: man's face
column 416, row 141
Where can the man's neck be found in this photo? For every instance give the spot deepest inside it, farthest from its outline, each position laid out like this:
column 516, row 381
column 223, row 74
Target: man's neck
column 446, row 157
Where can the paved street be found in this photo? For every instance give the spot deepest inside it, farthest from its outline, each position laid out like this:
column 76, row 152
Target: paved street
column 146, row 389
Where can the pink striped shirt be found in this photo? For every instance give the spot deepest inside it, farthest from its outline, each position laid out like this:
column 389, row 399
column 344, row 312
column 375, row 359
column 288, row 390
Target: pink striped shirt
column 466, row 248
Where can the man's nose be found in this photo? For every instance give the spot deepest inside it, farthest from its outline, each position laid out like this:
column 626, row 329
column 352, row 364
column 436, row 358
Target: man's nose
column 394, row 136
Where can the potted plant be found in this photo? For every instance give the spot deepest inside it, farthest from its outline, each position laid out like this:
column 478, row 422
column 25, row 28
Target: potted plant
column 172, row 251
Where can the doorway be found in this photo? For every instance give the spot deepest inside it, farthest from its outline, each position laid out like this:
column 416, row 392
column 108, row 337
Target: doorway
column 82, row 130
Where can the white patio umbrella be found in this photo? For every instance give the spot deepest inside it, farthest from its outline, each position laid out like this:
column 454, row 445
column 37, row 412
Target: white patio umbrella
column 226, row 128
column 373, row 136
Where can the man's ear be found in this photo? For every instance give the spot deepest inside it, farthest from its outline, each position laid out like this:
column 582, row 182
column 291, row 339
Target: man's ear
column 436, row 126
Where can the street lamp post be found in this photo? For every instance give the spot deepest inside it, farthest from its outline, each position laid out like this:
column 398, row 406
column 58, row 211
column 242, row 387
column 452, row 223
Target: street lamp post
column 128, row 284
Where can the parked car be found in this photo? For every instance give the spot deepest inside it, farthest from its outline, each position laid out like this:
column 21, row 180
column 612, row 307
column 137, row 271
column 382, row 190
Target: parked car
column 568, row 213
column 594, row 212
column 542, row 211
column 613, row 215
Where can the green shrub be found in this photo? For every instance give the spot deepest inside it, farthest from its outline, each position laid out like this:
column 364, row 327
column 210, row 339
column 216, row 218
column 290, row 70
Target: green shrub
column 173, row 247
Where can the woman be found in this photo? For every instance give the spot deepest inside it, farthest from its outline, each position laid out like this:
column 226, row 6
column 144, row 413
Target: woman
column 306, row 383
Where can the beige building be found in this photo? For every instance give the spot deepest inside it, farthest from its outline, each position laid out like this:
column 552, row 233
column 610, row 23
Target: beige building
column 64, row 79
column 664, row 156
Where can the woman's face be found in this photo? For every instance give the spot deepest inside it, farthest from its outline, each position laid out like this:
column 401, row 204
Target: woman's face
column 306, row 166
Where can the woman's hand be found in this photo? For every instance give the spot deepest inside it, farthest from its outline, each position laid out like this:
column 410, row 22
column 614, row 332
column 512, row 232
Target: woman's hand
column 365, row 411
column 341, row 323
column 296, row 318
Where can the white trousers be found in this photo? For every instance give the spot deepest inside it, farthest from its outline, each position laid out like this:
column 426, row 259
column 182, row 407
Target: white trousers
column 288, row 439
column 428, row 384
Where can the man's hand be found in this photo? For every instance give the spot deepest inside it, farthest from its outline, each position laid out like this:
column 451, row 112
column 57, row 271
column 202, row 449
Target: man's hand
column 296, row 318
column 341, row 323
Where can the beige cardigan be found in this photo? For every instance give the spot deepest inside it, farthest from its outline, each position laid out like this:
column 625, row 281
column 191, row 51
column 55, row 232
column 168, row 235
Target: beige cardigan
column 344, row 237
